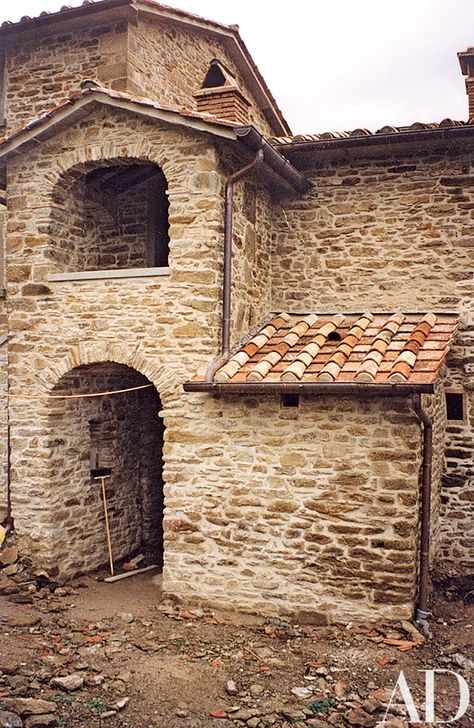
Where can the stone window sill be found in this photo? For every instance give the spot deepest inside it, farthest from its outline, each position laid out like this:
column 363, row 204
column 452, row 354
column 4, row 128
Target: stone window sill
column 96, row 275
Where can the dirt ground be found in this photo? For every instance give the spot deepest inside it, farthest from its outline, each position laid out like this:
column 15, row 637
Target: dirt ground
column 139, row 662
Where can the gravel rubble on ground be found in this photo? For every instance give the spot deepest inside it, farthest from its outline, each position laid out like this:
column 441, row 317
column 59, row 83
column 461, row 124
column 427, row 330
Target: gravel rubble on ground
column 57, row 670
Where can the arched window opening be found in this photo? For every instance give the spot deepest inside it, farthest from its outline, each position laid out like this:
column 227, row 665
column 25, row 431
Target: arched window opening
column 112, row 218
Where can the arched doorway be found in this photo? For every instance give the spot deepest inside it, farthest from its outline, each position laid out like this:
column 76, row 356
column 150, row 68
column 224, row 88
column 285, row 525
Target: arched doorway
column 122, row 433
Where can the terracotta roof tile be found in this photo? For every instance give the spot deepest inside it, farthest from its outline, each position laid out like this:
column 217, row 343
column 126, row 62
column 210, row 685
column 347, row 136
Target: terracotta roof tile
column 368, row 348
column 341, row 135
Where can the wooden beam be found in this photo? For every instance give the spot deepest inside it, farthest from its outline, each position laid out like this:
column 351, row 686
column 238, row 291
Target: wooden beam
column 119, row 577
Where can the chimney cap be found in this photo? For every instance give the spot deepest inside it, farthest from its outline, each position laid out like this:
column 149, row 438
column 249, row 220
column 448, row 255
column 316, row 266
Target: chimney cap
column 466, row 60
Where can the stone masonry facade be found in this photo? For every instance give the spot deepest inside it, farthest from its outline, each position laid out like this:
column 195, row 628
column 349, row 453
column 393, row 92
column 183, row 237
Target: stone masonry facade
column 400, row 228
column 141, row 56
column 310, row 510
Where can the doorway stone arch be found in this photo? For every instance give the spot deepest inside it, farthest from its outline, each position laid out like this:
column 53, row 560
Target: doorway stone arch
column 119, row 433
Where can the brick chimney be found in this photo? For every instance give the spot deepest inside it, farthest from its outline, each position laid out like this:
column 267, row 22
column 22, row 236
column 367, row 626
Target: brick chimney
column 221, row 96
column 466, row 59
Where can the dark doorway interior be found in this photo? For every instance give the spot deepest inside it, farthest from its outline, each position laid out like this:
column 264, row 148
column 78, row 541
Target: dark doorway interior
column 121, row 434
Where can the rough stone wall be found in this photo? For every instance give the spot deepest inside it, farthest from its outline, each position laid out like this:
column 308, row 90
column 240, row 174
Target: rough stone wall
column 45, row 70
column 267, row 509
column 394, row 232
column 251, row 260
column 170, row 65
column 147, row 58
column 167, row 327
column 435, row 406
column 3, row 421
column 457, row 507
column 122, row 432
column 3, row 372
column 390, row 234
column 311, row 511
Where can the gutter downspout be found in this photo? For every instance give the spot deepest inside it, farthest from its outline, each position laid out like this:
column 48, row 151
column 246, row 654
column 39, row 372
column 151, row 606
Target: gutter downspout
column 422, row 612
column 8, row 522
column 227, row 274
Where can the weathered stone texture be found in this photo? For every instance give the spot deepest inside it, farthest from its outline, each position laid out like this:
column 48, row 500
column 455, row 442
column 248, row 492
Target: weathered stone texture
column 166, row 328
column 145, row 58
column 3, row 373
column 123, row 433
column 251, row 257
column 170, row 65
column 435, row 406
column 47, row 69
column 398, row 232
column 390, row 231
column 457, row 506
column 312, row 509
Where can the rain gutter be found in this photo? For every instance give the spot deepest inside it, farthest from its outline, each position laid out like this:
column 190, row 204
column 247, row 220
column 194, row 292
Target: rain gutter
column 275, row 168
column 340, row 388
column 281, row 167
column 227, row 274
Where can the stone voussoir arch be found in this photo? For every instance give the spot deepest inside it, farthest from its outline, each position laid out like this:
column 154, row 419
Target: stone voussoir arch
column 85, row 158
column 167, row 380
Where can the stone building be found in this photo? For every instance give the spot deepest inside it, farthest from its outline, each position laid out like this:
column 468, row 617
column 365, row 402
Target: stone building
column 291, row 319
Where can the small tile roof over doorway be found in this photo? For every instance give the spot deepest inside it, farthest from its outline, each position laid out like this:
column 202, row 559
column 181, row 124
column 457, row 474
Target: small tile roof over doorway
column 377, row 349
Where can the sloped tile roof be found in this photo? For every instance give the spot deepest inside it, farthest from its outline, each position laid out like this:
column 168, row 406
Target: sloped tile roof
column 65, row 8
column 360, row 133
column 92, row 90
column 393, row 348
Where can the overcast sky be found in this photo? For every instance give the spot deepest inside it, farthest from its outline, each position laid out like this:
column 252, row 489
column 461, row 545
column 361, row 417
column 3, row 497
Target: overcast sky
column 347, row 63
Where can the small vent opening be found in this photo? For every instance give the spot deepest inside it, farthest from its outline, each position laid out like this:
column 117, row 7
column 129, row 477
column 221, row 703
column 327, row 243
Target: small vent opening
column 334, row 336
column 214, row 77
column 290, row 400
column 455, row 408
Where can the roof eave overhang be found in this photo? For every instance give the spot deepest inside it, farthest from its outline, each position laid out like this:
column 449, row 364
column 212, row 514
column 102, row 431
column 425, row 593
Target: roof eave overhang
column 32, row 25
column 279, row 170
column 314, row 388
column 429, row 137
column 229, row 35
column 17, row 145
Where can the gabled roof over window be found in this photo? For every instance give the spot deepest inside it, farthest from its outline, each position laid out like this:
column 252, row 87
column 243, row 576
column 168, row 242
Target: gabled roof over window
column 387, row 351
column 217, row 76
column 277, row 170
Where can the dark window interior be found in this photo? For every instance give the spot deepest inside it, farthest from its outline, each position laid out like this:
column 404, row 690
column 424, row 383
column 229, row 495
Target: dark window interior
column 455, row 405
column 136, row 197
